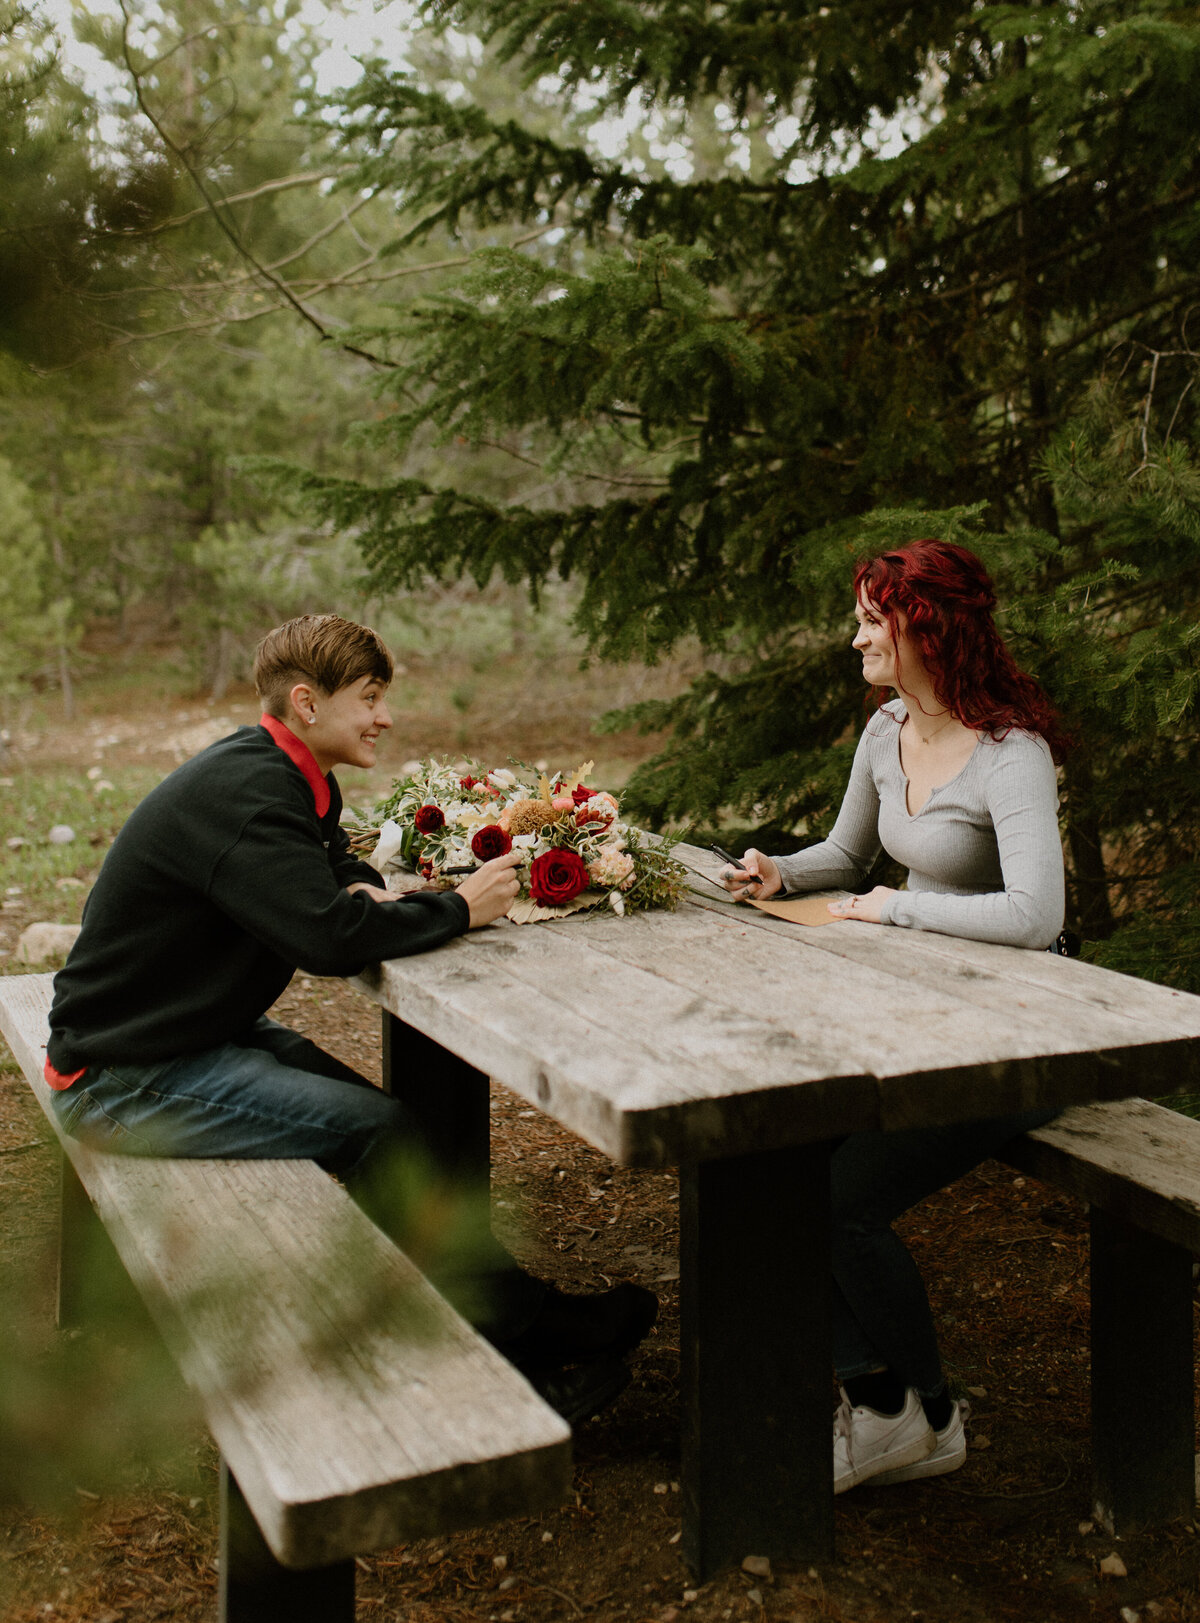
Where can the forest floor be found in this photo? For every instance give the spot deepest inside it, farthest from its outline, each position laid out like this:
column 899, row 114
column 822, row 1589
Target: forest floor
column 109, row 1516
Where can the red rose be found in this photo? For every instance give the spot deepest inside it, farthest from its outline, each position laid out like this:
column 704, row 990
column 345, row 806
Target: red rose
column 557, row 877
column 490, row 841
column 581, row 792
column 429, row 819
column 597, row 817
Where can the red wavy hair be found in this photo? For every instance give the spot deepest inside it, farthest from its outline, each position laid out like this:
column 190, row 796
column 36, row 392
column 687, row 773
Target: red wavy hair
column 945, row 595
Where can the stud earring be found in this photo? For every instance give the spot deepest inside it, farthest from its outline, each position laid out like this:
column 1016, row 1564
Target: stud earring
column 311, row 720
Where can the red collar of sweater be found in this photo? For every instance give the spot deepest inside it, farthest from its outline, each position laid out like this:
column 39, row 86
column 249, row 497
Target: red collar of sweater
column 298, row 751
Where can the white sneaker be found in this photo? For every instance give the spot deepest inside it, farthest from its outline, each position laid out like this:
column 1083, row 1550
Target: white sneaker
column 949, row 1454
column 866, row 1443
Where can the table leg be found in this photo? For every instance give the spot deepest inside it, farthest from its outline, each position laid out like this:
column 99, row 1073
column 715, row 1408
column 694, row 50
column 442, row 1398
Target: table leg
column 1143, row 1465
column 254, row 1588
column 448, row 1099
column 755, row 1353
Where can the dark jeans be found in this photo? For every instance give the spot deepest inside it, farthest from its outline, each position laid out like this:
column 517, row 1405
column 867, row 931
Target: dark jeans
column 880, row 1310
column 277, row 1096
column 273, row 1096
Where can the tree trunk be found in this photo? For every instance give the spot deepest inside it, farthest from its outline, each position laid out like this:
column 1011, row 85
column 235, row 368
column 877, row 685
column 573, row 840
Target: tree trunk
column 1092, row 911
column 223, row 665
column 64, row 679
column 1042, row 507
column 62, row 652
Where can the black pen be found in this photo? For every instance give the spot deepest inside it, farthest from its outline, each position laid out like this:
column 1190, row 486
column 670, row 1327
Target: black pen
column 469, row 868
column 736, row 862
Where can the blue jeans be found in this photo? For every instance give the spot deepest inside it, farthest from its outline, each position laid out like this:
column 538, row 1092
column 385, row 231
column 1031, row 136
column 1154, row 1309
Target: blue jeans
column 277, row 1096
column 273, row 1096
column 880, row 1311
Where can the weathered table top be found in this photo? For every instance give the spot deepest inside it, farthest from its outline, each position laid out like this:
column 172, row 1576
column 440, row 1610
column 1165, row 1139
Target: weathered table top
column 716, row 1030
column 736, row 1045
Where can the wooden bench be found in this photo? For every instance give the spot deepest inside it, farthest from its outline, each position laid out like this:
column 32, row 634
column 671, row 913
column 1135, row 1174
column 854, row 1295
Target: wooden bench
column 352, row 1406
column 1136, row 1166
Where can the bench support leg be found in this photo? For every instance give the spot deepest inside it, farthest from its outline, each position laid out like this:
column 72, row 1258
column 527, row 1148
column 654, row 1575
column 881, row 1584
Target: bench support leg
column 448, row 1098
column 81, row 1239
column 1142, row 1377
column 254, row 1588
column 757, row 1471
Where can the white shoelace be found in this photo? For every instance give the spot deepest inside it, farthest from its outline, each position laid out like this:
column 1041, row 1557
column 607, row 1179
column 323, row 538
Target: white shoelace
column 841, row 1422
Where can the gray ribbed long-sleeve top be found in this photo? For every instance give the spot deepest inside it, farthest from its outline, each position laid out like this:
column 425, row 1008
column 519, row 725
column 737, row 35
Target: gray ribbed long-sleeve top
column 984, row 855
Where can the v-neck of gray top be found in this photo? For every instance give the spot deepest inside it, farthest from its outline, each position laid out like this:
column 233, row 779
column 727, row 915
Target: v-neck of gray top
column 984, row 854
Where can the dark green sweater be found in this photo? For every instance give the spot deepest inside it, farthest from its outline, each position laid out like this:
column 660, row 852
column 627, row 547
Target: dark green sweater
column 222, row 883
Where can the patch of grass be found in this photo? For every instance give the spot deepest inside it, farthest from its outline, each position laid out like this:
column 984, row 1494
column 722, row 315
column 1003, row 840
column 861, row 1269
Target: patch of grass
column 36, row 875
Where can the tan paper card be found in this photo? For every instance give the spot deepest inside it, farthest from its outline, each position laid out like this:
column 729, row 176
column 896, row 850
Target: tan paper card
column 810, row 910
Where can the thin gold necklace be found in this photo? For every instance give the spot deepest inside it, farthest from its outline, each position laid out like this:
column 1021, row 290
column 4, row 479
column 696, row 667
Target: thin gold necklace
column 949, row 718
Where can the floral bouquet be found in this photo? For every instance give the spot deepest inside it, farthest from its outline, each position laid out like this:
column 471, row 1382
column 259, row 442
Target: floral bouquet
column 443, row 821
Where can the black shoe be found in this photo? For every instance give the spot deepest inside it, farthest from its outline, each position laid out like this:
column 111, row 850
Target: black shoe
column 582, row 1329
column 579, row 1393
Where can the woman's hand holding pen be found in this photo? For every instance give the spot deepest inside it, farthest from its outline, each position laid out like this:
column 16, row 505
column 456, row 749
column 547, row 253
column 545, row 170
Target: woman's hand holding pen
column 757, row 877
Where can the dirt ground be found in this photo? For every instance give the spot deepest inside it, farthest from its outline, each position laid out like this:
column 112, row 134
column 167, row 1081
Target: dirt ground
column 1008, row 1536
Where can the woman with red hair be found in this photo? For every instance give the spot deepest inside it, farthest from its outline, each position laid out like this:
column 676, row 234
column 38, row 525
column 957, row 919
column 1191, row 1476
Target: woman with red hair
column 955, row 778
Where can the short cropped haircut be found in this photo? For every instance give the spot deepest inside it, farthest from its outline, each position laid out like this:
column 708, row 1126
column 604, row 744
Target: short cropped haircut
column 322, row 649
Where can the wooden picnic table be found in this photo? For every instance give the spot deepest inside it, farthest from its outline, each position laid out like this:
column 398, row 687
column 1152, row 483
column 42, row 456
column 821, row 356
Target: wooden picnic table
column 737, row 1046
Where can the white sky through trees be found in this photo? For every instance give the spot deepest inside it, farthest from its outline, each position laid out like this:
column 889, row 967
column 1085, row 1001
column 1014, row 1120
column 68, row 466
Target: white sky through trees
column 355, row 28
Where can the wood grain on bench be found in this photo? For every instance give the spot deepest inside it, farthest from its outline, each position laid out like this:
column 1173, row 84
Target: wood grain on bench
column 354, row 1407
column 1136, row 1165
column 1137, row 1160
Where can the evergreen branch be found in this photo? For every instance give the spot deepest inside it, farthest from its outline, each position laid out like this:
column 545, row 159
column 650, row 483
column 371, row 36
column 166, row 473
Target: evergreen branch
column 629, row 415
column 745, row 50
column 185, row 41
column 579, row 473
column 227, row 230
column 460, row 160
column 124, row 339
column 351, row 276
column 1095, row 329
column 1117, row 231
column 266, row 189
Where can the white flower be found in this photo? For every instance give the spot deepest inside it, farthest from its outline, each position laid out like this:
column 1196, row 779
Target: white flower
column 617, row 902
column 525, row 841
column 502, row 778
column 599, row 809
column 613, row 868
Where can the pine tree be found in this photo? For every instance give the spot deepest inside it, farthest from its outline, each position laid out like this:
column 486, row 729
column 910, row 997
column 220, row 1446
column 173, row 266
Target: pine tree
column 883, row 315
column 144, row 353
column 33, row 612
column 859, row 273
column 48, row 185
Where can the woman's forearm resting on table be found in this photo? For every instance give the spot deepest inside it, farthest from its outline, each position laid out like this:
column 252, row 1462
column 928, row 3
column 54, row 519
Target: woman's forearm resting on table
column 1014, row 918
column 852, row 849
column 985, row 859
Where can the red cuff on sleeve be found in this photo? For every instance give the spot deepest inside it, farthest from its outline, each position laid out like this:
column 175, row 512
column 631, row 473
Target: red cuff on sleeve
column 57, row 1080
